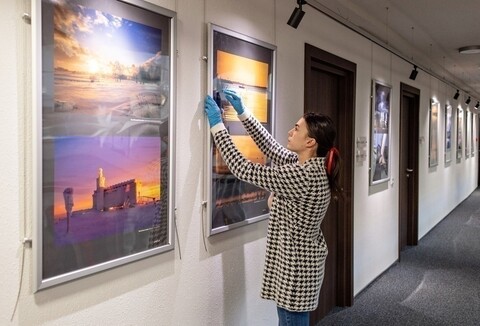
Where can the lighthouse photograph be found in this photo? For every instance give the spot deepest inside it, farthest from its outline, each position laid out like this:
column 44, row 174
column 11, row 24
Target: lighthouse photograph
column 106, row 194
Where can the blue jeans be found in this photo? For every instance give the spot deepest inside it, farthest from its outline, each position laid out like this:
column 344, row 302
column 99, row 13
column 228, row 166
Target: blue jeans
column 292, row 318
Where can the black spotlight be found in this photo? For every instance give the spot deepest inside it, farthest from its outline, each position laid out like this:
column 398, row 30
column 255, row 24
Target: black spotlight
column 297, row 14
column 457, row 94
column 468, row 100
column 477, row 105
column 414, row 73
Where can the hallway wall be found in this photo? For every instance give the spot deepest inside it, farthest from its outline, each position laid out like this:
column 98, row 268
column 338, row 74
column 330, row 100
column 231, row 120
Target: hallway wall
column 219, row 286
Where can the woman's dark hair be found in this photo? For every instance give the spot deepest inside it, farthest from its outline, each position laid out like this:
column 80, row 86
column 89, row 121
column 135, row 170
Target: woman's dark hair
column 321, row 128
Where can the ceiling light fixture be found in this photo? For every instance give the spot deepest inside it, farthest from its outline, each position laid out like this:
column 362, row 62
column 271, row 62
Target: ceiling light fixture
column 468, row 100
column 477, row 105
column 414, row 73
column 471, row 49
column 457, row 94
column 297, row 14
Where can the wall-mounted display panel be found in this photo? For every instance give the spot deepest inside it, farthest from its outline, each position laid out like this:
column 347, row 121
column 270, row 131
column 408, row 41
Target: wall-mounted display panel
column 380, row 133
column 460, row 133
column 448, row 133
column 246, row 65
column 104, row 118
column 472, row 133
column 433, row 134
column 467, row 133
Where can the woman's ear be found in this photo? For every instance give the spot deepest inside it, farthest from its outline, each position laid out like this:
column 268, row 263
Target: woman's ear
column 311, row 142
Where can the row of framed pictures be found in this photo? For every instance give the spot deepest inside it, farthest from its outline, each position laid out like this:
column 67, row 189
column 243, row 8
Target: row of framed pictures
column 104, row 109
column 380, row 133
column 465, row 139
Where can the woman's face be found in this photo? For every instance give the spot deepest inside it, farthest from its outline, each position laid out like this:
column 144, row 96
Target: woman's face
column 298, row 137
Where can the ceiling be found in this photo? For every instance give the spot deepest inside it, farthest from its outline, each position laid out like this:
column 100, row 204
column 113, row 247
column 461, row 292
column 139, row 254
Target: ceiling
column 426, row 32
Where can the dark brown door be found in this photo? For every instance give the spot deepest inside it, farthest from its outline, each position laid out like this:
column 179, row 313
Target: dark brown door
column 408, row 183
column 329, row 89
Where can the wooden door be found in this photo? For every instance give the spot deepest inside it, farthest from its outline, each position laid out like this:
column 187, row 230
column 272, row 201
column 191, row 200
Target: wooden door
column 329, row 89
column 408, row 177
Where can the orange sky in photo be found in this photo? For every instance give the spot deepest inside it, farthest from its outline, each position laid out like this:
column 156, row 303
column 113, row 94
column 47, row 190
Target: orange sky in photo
column 242, row 70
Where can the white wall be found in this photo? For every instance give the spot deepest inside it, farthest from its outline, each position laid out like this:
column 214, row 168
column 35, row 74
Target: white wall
column 12, row 148
column 219, row 286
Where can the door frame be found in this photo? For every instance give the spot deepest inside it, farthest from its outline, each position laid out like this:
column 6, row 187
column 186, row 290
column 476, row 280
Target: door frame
column 346, row 117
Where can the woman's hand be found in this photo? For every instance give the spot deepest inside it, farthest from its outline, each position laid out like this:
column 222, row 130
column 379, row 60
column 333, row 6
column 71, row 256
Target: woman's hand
column 235, row 100
column 213, row 112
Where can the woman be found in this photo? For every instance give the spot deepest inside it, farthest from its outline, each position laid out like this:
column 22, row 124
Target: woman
column 301, row 180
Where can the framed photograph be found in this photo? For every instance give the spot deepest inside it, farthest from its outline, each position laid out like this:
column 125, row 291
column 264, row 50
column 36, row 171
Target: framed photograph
column 448, row 133
column 472, row 140
column 433, row 134
column 467, row 133
column 104, row 130
column 460, row 133
column 246, row 65
column 380, row 133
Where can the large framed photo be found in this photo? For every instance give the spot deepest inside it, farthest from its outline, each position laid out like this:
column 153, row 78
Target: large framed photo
column 104, row 130
column 448, row 133
column 246, row 65
column 433, row 134
column 460, row 133
column 380, row 133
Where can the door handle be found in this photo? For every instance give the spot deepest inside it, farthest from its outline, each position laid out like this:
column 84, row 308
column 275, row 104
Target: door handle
column 409, row 170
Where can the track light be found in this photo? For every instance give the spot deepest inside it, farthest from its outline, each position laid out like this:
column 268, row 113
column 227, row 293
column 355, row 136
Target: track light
column 414, row 73
column 477, row 105
column 468, row 100
column 457, row 94
column 297, row 14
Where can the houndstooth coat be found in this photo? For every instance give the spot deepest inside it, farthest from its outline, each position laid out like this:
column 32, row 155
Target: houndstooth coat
column 296, row 249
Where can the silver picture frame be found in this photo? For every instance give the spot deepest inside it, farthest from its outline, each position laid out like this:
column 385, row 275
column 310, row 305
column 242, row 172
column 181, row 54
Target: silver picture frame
column 247, row 65
column 448, row 133
column 380, row 132
column 433, row 149
column 460, row 133
column 103, row 135
column 472, row 133
column 467, row 133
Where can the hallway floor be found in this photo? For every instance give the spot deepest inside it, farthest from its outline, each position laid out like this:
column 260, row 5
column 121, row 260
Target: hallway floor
column 434, row 283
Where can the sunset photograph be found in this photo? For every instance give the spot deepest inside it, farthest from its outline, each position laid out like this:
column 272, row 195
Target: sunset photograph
column 107, row 180
column 105, row 69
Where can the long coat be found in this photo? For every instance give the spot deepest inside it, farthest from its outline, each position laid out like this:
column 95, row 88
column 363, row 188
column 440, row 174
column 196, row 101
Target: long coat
column 296, row 249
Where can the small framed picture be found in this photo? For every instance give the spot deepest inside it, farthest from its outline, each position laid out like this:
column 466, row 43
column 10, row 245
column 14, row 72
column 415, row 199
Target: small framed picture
column 448, row 133
column 460, row 133
column 380, row 133
column 433, row 134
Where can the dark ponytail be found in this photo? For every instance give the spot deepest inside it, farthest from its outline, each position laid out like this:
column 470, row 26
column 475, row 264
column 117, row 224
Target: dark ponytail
column 322, row 129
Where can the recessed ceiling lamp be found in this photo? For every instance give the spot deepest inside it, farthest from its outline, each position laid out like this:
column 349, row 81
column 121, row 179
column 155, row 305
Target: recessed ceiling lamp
column 471, row 49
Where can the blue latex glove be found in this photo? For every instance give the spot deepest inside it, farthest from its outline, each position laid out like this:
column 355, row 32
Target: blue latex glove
column 213, row 112
column 235, row 100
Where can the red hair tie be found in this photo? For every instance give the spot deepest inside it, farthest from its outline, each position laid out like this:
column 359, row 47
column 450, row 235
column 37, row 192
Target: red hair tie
column 330, row 163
